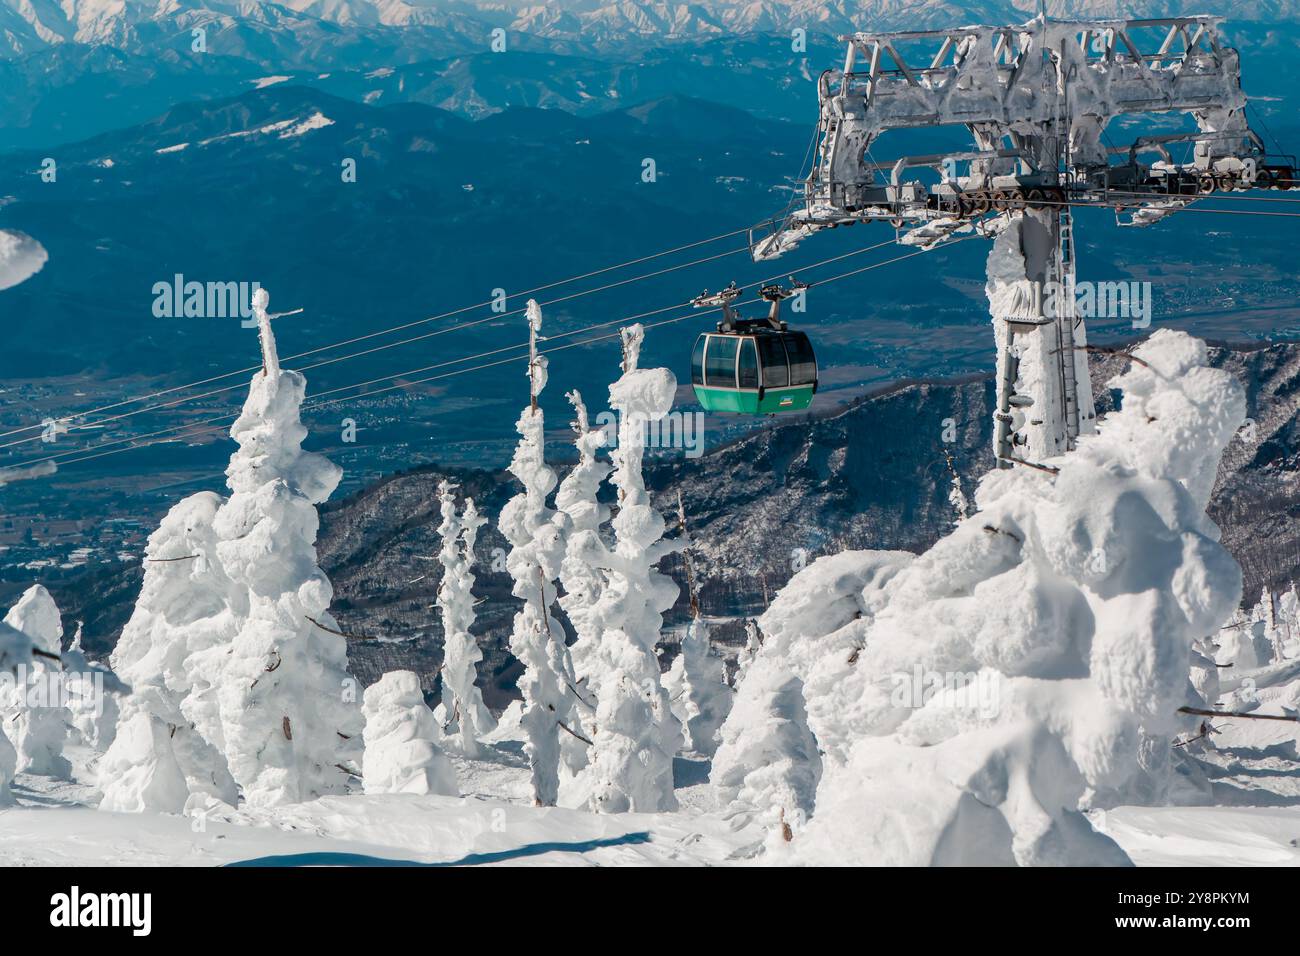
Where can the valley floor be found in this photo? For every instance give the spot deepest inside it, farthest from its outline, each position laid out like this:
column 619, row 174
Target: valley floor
column 56, row 824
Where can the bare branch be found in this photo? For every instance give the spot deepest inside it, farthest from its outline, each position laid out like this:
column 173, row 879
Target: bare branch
column 581, row 699
column 1050, row 469
column 1107, row 350
column 575, row 733
column 350, row 637
column 1236, row 713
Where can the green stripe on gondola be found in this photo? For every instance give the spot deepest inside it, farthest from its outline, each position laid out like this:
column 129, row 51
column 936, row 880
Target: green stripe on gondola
column 746, row 402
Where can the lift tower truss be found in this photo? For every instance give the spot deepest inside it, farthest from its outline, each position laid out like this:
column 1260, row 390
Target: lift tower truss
column 1036, row 100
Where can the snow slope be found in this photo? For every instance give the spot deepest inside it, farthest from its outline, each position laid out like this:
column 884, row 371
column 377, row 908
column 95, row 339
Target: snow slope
column 494, row 824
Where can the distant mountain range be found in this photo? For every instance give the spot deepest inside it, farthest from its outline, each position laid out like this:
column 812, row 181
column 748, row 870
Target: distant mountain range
column 257, row 28
column 75, row 69
column 72, row 92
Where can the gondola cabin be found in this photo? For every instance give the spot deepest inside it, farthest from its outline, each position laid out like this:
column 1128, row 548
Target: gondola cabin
column 757, row 372
column 752, row 366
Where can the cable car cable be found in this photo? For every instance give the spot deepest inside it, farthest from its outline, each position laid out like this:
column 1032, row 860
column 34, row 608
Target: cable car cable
column 63, row 459
column 254, row 368
column 427, row 335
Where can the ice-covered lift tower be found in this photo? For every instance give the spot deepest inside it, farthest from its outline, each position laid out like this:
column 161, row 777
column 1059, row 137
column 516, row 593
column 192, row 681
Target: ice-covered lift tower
column 1037, row 99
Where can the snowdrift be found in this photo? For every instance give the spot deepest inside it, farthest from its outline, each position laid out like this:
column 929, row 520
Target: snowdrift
column 969, row 701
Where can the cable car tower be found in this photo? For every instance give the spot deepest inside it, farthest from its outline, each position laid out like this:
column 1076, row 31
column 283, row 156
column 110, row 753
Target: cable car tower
column 1036, row 99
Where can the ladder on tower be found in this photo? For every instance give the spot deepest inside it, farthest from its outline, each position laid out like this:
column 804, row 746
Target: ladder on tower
column 1066, row 321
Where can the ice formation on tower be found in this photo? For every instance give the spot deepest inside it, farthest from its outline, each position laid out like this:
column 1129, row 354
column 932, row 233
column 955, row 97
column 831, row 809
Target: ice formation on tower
column 1035, row 358
column 401, row 755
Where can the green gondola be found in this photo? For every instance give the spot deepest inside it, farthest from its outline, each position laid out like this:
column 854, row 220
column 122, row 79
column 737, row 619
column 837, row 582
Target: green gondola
column 752, row 366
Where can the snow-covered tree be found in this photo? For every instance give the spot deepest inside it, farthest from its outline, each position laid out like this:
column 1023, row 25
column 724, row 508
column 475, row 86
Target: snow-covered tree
column 753, row 643
column 289, row 720
column 697, row 681
column 956, row 496
column 536, row 550
column 578, row 503
column 636, row 734
column 20, row 653
column 8, row 764
column 15, row 655
column 141, row 771
column 697, row 687
column 1271, row 629
column 577, row 499
column 37, row 722
column 93, row 693
column 159, row 758
column 1204, row 673
column 20, row 257
column 401, row 755
column 1286, row 638
column 769, row 763
column 464, row 716
column 768, row 760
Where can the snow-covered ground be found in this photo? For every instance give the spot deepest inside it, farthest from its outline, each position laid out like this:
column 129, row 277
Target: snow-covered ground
column 57, row 824
column 1255, row 780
